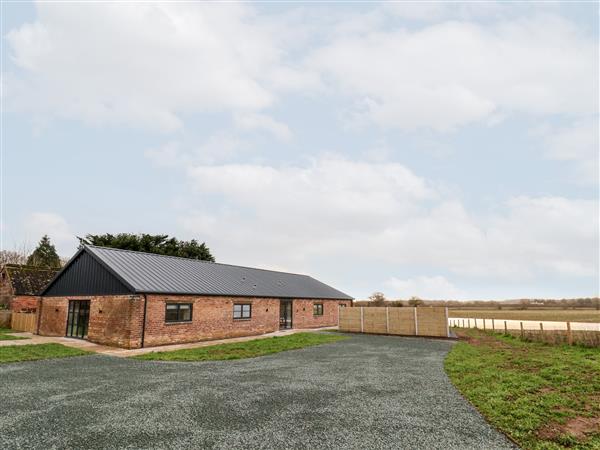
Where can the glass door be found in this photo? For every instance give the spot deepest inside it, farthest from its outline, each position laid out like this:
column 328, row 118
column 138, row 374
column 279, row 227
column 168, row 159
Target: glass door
column 285, row 314
column 78, row 318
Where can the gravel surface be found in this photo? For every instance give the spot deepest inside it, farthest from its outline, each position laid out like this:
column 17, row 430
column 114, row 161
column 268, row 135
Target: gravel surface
column 367, row 392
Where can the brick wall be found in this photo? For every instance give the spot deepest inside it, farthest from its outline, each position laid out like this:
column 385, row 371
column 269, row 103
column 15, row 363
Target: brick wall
column 303, row 316
column 114, row 320
column 118, row 320
column 24, row 303
column 212, row 318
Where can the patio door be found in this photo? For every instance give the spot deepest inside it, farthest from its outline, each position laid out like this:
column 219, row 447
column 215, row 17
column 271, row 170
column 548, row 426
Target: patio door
column 78, row 318
column 285, row 314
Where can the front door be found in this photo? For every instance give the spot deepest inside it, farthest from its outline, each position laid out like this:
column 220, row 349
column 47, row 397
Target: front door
column 78, row 318
column 285, row 314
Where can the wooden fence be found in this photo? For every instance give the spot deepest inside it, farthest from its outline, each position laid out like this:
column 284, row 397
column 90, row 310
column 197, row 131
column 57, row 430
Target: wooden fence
column 24, row 322
column 423, row 321
column 5, row 319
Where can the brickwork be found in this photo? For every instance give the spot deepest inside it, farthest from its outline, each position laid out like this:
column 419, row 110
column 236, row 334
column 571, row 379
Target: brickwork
column 24, row 303
column 118, row 320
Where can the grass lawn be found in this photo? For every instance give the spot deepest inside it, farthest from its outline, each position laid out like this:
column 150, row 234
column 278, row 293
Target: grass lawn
column 543, row 396
column 6, row 337
column 15, row 353
column 247, row 349
column 560, row 315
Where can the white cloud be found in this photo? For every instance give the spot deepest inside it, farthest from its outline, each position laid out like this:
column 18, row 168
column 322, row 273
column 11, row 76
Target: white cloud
column 435, row 288
column 335, row 209
column 453, row 73
column 263, row 122
column 55, row 226
column 579, row 144
column 145, row 64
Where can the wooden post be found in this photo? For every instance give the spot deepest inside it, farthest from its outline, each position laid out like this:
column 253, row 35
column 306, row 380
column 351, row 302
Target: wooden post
column 362, row 319
column 569, row 334
column 447, row 327
column 493, row 326
column 522, row 335
column 483, row 324
column 463, row 323
column 505, row 328
column 475, row 323
column 469, row 322
column 416, row 321
column 387, row 319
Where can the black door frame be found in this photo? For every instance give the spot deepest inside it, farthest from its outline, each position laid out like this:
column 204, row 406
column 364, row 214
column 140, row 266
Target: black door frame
column 286, row 307
column 80, row 329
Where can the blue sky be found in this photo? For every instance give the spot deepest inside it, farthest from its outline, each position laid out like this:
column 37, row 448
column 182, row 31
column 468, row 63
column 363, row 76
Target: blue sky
column 437, row 150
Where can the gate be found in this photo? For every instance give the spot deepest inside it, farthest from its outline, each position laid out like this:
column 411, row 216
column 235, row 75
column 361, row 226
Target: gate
column 24, row 322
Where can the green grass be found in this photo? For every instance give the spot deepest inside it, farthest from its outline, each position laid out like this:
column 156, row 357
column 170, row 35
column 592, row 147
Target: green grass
column 542, row 396
column 6, row 337
column 247, row 349
column 32, row 352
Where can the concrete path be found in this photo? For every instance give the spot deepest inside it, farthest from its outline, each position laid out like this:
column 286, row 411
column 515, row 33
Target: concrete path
column 366, row 392
column 115, row 351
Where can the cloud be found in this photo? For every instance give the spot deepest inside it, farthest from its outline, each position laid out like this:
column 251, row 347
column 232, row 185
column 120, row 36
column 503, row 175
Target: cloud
column 578, row 143
column 262, row 122
column 54, row 225
column 436, row 287
column 334, row 209
column 145, row 64
column 446, row 75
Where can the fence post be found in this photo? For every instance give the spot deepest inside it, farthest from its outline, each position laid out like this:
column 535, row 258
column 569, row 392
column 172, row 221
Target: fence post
column 505, row 328
column 483, row 324
column 416, row 321
column 521, row 330
column 569, row 334
column 469, row 322
column 387, row 319
column 463, row 323
column 493, row 326
column 362, row 320
column 475, row 323
column 447, row 327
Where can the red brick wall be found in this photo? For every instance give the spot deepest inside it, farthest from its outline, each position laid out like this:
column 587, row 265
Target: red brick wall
column 114, row 319
column 118, row 320
column 212, row 318
column 24, row 303
column 303, row 313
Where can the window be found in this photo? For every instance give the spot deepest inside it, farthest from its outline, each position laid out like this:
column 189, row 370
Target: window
column 242, row 311
column 318, row 309
column 178, row 312
column 342, row 305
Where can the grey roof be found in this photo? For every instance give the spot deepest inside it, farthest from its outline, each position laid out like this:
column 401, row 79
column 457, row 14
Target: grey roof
column 152, row 273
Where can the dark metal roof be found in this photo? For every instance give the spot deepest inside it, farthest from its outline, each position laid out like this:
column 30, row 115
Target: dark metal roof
column 152, row 273
column 28, row 280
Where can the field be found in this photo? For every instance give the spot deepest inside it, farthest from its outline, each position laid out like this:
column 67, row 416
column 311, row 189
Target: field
column 560, row 315
column 542, row 396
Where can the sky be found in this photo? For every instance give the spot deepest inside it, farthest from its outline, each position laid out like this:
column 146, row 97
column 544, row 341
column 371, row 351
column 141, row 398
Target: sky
column 439, row 150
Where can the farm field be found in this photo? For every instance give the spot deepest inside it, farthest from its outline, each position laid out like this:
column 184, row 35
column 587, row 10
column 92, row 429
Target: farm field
column 561, row 315
column 542, row 396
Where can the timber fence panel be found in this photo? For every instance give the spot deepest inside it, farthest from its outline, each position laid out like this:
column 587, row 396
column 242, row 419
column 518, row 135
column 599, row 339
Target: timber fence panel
column 350, row 319
column 431, row 321
column 402, row 321
column 375, row 320
column 23, row 322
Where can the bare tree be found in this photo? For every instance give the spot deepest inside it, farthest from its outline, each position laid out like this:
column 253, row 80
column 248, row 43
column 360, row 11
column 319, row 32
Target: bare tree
column 16, row 256
column 415, row 301
column 377, row 299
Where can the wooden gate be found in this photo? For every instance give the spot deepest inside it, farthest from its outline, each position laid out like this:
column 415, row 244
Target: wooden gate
column 24, row 322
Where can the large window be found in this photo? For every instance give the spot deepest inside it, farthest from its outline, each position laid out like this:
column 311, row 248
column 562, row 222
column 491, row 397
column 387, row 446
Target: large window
column 318, row 309
column 178, row 312
column 242, row 310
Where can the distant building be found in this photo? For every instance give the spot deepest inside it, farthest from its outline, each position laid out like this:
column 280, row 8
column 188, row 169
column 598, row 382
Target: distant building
column 21, row 285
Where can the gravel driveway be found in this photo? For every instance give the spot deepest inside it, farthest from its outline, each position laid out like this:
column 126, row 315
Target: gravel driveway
column 367, row 392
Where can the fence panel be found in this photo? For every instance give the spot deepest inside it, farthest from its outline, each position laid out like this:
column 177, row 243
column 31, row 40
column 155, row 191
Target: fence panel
column 425, row 321
column 24, row 322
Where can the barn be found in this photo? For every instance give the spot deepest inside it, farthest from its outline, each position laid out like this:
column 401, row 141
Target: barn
column 134, row 299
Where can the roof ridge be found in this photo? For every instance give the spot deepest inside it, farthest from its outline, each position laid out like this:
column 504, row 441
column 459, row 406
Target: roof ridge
column 193, row 259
